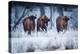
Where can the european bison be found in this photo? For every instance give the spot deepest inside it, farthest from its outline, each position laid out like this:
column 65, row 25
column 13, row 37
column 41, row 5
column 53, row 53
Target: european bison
column 61, row 23
column 29, row 24
column 42, row 23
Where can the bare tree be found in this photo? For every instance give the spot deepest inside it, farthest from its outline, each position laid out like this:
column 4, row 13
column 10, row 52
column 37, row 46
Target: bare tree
column 51, row 13
column 42, row 10
column 60, row 10
column 17, row 22
column 23, row 14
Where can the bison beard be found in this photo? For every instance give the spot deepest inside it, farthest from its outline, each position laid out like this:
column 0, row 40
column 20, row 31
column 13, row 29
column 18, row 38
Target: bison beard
column 42, row 23
column 61, row 23
column 29, row 24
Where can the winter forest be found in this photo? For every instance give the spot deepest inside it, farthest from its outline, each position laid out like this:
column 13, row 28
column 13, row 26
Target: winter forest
column 20, row 41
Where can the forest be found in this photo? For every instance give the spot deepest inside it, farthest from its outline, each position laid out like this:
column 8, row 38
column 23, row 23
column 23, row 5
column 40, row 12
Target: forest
column 19, row 10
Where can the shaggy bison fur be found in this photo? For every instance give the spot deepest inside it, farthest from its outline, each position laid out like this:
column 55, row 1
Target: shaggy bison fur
column 42, row 23
column 61, row 23
column 29, row 24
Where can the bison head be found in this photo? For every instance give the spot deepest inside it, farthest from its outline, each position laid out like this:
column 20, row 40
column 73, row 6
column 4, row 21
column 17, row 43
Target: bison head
column 65, row 18
column 46, row 20
column 32, row 17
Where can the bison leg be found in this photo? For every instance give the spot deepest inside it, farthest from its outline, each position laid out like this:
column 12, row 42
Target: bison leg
column 38, row 28
column 58, row 29
column 25, row 29
column 33, row 27
column 29, row 32
column 42, row 28
column 45, row 28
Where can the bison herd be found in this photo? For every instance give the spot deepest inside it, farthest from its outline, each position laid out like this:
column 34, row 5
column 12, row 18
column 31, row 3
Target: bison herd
column 42, row 23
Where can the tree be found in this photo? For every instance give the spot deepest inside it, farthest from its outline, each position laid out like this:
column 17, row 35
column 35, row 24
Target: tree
column 42, row 10
column 60, row 10
column 23, row 14
column 51, row 13
column 17, row 22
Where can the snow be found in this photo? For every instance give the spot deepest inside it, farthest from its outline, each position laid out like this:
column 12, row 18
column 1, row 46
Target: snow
column 43, row 41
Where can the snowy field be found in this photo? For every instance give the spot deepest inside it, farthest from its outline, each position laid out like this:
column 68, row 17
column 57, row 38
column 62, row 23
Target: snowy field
column 21, row 42
column 43, row 41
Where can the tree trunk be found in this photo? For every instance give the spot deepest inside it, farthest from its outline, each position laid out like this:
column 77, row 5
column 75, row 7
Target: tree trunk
column 60, row 10
column 23, row 14
column 16, row 14
column 42, row 10
column 51, row 13
column 19, row 18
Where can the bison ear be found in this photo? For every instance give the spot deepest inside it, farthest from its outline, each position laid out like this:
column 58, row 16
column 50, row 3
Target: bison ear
column 48, row 19
column 67, row 18
column 34, row 17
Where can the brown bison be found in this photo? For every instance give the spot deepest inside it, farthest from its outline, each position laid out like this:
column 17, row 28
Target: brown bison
column 29, row 24
column 61, row 23
column 42, row 23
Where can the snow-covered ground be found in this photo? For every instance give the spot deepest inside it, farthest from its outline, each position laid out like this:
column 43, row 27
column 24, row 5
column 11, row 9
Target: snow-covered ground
column 43, row 41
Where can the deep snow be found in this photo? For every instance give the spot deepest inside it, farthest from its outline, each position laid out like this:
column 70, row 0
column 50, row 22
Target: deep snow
column 44, row 41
